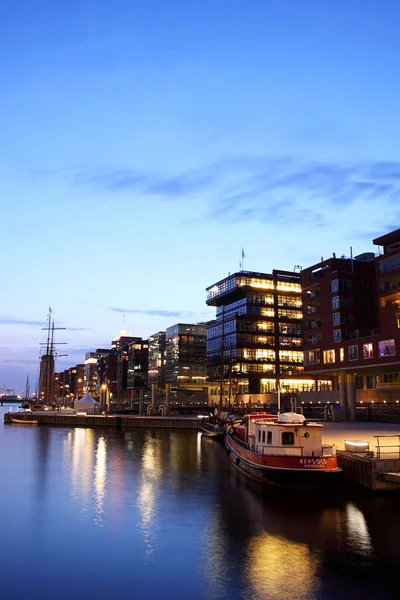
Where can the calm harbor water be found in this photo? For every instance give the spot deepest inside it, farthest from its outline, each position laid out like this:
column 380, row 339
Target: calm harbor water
column 154, row 514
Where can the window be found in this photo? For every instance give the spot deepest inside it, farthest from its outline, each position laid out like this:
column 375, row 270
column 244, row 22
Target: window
column 259, row 435
column 269, row 437
column 263, row 437
column 329, row 356
column 359, row 382
column 386, row 348
column 398, row 320
column 368, row 351
column 353, row 352
column 341, row 354
column 288, row 438
column 390, row 377
column 314, row 357
column 336, row 318
column 335, row 285
column 337, row 335
column 335, row 302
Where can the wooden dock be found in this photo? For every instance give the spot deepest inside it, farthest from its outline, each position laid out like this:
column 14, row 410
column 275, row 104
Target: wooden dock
column 377, row 474
column 118, row 421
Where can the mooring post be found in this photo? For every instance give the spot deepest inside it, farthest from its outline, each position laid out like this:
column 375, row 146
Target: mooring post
column 167, row 398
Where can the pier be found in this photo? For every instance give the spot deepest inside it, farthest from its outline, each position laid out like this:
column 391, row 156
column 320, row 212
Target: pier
column 378, row 470
column 118, row 421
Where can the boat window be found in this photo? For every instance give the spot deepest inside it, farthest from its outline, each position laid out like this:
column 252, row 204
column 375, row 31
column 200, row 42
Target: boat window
column 269, row 437
column 263, row 437
column 288, row 438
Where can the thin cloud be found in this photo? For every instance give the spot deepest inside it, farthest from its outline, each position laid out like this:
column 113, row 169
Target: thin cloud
column 283, row 190
column 154, row 312
column 9, row 321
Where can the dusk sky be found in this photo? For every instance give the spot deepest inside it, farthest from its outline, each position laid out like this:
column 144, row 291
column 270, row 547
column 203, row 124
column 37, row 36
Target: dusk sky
column 145, row 142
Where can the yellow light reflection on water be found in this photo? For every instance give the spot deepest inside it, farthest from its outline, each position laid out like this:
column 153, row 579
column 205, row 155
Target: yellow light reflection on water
column 280, row 569
column 82, row 464
column 147, row 493
column 100, row 479
column 358, row 531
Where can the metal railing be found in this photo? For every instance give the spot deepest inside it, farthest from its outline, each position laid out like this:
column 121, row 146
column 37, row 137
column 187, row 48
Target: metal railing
column 387, row 450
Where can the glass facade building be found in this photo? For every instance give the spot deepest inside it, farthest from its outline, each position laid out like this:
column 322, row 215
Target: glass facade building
column 157, row 359
column 185, row 354
column 257, row 331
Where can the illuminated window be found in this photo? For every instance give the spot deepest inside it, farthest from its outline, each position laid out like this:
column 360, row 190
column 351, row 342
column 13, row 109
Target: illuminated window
column 341, row 354
column 386, row 348
column 313, row 357
column 329, row 356
column 368, row 351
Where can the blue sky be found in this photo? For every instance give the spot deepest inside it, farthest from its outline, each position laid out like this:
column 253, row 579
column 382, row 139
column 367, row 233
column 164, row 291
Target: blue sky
column 143, row 143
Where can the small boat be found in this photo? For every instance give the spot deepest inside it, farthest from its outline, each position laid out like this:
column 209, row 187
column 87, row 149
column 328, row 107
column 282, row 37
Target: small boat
column 24, row 421
column 282, row 450
column 212, row 429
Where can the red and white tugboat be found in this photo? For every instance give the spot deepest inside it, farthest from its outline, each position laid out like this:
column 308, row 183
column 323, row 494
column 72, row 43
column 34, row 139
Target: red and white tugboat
column 284, row 451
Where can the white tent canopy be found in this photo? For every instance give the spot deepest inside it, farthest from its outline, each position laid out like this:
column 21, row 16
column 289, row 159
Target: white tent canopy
column 86, row 403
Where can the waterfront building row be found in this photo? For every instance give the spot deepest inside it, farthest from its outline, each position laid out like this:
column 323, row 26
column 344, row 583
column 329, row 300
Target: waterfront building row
column 332, row 326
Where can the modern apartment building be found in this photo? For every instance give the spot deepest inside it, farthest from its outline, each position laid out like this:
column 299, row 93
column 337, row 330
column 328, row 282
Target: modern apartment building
column 256, row 338
column 91, row 374
column 185, row 355
column 157, row 359
column 351, row 310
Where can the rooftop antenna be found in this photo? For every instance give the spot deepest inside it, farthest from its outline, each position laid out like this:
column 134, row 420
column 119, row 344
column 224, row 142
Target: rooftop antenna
column 242, row 260
column 297, row 268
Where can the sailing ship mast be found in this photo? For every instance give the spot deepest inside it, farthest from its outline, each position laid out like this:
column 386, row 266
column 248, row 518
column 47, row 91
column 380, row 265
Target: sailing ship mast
column 48, row 374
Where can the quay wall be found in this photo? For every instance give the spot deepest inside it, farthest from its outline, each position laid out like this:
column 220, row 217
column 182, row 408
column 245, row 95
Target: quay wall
column 73, row 420
column 369, row 472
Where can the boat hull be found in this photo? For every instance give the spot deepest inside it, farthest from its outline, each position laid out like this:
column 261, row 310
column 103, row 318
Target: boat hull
column 24, row 422
column 211, row 430
column 284, row 471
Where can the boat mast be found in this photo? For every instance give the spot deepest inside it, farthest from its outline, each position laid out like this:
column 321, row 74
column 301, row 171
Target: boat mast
column 27, row 388
column 50, row 357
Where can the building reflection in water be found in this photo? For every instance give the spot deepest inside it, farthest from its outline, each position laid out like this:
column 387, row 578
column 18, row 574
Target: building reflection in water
column 100, row 480
column 198, row 449
column 358, row 534
column 88, row 460
column 279, row 568
column 150, row 475
column 214, row 557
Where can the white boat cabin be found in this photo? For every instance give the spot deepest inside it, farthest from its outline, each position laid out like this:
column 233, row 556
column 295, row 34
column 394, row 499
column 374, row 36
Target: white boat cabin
column 288, row 435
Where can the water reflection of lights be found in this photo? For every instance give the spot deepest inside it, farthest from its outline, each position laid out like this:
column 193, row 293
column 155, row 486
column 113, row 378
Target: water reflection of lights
column 359, row 537
column 100, row 479
column 198, row 449
column 278, row 568
column 82, row 463
column 88, row 471
column 215, row 564
column 151, row 473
